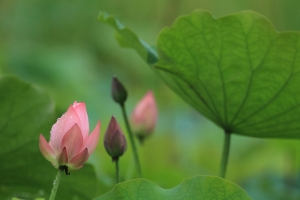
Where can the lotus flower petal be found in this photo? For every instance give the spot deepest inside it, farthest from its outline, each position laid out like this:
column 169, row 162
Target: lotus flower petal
column 60, row 128
column 63, row 157
column 72, row 141
column 78, row 161
column 80, row 109
column 92, row 140
column 46, row 150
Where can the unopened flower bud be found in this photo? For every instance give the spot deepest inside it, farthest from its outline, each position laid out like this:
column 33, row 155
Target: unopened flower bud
column 144, row 117
column 118, row 91
column 114, row 140
column 70, row 143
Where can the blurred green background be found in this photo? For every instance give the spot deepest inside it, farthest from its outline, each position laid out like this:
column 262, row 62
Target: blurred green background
column 61, row 47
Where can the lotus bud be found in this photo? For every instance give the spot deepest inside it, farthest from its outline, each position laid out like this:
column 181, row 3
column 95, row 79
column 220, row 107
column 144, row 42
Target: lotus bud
column 144, row 117
column 70, row 143
column 114, row 140
column 118, row 91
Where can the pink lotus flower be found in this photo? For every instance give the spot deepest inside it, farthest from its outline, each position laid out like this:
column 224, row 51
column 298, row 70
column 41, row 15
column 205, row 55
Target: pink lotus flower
column 144, row 116
column 70, row 144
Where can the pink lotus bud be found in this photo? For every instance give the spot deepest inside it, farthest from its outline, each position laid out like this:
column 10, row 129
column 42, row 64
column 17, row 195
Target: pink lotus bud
column 114, row 141
column 70, row 144
column 144, row 116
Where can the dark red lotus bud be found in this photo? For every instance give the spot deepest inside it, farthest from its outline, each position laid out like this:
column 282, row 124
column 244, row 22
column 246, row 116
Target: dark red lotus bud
column 114, row 140
column 118, row 91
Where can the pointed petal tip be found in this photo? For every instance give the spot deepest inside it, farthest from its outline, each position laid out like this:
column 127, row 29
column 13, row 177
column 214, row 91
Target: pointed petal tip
column 75, row 104
column 45, row 149
column 150, row 92
column 73, row 141
column 80, row 109
column 92, row 140
column 78, row 161
column 63, row 157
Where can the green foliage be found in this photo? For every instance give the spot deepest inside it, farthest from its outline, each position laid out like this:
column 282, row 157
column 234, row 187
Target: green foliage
column 236, row 70
column 26, row 112
column 127, row 38
column 201, row 187
column 40, row 44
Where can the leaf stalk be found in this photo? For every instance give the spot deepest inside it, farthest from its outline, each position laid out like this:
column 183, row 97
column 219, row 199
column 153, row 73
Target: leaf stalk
column 225, row 155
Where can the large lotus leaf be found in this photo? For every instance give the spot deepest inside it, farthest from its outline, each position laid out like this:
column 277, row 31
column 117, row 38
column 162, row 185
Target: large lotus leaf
column 25, row 112
column 201, row 187
column 236, row 70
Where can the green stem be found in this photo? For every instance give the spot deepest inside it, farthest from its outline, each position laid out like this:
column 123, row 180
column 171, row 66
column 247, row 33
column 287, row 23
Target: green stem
column 56, row 183
column 225, row 155
column 135, row 153
column 117, row 170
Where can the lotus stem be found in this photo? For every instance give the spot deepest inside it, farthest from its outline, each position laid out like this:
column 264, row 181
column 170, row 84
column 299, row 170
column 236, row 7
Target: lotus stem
column 225, row 155
column 56, row 182
column 134, row 149
column 117, row 170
